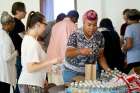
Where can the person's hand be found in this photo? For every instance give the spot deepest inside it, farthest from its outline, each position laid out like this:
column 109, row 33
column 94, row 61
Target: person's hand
column 57, row 60
column 54, row 61
column 86, row 51
column 101, row 52
column 60, row 59
column 124, row 48
column 49, row 68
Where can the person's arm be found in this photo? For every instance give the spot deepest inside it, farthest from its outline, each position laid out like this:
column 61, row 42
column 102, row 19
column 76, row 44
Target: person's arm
column 128, row 38
column 102, row 60
column 129, row 44
column 35, row 66
column 73, row 52
column 33, row 55
column 121, row 40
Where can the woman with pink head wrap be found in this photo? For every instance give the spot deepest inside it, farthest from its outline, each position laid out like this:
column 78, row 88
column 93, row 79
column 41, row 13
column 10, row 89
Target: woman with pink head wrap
column 84, row 46
column 90, row 23
column 90, row 15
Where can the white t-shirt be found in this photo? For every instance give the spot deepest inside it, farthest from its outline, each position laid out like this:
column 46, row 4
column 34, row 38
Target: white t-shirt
column 7, row 59
column 31, row 51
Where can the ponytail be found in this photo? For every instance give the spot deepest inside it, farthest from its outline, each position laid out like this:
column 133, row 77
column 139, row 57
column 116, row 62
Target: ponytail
column 29, row 19
column 33, row 18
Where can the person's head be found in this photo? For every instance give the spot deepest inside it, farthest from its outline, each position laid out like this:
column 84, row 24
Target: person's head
column 90, row 22
column 18, row 9
column 106, row 23
column 60, row 17
column 7, row 21
column 37, row 22
column 133, row 16
column 124, row 14
column 74, row 15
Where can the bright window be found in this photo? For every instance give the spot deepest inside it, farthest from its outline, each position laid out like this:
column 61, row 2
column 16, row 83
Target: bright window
column 51, row 8
column 63, row 6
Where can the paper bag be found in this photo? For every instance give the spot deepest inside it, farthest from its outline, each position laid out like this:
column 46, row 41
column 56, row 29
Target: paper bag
column 90, row 71
column 93, row 71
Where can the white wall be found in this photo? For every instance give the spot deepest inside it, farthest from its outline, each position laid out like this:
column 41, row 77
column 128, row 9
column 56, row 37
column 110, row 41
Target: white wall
column 114, row 9
column 84, row 5
column 107, row 8
column 59, row 7
column 6, row 5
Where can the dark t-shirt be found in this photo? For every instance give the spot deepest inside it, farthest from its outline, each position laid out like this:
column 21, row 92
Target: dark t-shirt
column 14, row 34
column 123, row 28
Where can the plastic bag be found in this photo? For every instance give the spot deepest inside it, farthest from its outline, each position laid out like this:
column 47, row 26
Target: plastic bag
column 56, row 75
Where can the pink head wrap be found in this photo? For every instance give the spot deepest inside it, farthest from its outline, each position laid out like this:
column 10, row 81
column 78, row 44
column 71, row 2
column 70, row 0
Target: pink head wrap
column 90, row 15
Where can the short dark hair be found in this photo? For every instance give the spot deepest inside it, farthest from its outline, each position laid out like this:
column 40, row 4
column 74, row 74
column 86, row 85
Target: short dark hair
column 133, row 14
column 18, row 6
column 125, row 10
column 60, row 17
column 73, row 13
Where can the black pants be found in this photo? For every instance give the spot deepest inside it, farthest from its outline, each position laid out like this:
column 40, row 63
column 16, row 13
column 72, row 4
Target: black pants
column 131, row 65
column 4, row 87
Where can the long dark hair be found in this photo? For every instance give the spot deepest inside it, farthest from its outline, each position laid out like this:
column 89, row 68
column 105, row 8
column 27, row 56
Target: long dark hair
column 33, row 18
column 107, row 23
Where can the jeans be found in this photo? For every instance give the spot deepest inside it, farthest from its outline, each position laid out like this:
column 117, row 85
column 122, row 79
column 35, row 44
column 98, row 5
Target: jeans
column 68, row 75
column 18, row 68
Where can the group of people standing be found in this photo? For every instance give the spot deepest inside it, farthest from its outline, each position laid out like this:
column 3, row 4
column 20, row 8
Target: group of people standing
column 11, row 46
column 131, row 45
column 26, row 55
column 66, row 44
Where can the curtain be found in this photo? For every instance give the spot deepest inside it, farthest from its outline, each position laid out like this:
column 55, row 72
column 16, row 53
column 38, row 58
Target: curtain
column 47, row 8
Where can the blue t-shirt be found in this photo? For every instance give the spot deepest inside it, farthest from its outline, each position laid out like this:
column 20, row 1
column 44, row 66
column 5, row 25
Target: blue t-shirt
column 78, row 40
column 133, row 54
